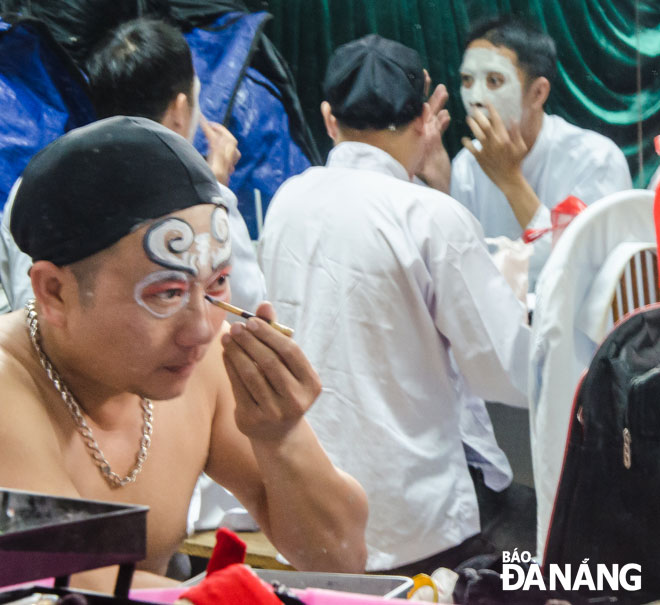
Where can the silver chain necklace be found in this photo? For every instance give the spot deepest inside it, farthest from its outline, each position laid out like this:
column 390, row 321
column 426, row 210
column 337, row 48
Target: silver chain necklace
column 81, row 424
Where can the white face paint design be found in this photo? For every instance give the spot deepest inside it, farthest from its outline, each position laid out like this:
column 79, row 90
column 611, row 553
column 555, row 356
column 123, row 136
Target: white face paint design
column 489, row 77
column 172, row 243
column 196, row 112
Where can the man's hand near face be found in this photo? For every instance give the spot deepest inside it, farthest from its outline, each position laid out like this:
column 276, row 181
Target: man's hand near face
column 500, row 157
column 273, row 382
column 435, row 168
column 223, row 153
column 313, row 512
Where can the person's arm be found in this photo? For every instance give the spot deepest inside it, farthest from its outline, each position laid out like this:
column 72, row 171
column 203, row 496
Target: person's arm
column 314, row 514
column 475, row 309
column 104, row 579
column 541, row 247
column 500, row 157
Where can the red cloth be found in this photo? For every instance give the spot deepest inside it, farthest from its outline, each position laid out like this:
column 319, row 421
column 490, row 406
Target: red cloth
column 228, row 549
column 563, row 213
column 232, row 585
column 227, row 580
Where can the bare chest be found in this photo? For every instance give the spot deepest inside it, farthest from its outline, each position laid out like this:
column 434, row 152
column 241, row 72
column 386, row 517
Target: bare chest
column 175, row 458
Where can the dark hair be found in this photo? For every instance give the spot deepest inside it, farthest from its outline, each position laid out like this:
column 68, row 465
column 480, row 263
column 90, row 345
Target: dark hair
column 536, row 51
column 85, row 272
column 139, row 68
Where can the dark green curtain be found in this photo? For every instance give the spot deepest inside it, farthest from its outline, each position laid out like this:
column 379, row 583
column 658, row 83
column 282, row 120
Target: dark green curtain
column 608, row 51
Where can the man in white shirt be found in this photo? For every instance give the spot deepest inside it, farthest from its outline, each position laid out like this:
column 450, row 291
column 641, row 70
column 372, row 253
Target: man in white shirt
column 523, row 161
column 397, row 302
column 144, row 68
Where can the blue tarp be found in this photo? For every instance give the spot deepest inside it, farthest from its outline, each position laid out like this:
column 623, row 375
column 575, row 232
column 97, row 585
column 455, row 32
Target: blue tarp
column 42, row 95
column 249, row 105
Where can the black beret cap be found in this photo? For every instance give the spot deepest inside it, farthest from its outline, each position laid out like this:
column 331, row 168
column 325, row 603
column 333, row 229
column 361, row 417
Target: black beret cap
column 89, row 188
column 374, row 83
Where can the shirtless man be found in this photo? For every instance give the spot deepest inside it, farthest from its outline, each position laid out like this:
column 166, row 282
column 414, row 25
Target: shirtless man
column 126, row 228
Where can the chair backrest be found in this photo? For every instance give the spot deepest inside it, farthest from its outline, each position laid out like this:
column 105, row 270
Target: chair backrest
column 638, row 285
column 627, row 280
column 575, row 296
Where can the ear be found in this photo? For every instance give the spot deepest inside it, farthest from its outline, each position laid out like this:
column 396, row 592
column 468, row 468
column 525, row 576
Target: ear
column 52, row 287
column 538, row 92
column 177, row 115
column 329, row 120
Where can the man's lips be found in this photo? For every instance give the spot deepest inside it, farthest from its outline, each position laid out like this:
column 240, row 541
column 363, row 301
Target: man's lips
column 182, row 367
column 181, row 370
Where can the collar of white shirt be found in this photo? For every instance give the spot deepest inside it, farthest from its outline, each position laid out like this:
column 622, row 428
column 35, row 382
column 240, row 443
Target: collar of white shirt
column 362, row 156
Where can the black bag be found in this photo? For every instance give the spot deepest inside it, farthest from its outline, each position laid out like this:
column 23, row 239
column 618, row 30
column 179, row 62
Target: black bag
column 607, row 506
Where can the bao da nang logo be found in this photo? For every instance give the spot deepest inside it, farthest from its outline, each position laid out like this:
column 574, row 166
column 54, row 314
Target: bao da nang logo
column 567, row 577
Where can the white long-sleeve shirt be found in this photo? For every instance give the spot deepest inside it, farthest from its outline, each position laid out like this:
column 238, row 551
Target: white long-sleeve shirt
column 382, row 279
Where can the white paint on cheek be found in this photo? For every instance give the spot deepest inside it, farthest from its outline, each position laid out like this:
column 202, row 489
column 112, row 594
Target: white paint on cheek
column 507, row 99
column 88, row 296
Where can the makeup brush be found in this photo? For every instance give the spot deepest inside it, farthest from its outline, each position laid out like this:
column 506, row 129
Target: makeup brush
column 247, row 315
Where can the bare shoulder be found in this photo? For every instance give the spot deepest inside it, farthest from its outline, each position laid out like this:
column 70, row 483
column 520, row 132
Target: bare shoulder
column 29, row 456
column 17, row 362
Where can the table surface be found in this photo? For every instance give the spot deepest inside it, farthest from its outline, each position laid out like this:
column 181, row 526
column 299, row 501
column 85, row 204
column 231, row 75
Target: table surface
column 260, row 552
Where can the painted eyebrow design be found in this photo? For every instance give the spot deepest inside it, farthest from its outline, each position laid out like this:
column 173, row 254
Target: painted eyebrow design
column 223, row 265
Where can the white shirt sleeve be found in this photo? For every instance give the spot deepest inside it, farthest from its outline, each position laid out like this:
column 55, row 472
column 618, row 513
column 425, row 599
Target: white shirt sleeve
column 248, row 286
column 541, row 246
column 476, row 310
column 14, row 264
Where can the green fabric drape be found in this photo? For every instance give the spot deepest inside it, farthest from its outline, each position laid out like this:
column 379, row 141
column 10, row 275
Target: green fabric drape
column 608, row 57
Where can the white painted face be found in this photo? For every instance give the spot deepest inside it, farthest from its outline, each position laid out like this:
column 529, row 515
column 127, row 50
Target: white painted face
column 196, row 112
column 487, row 76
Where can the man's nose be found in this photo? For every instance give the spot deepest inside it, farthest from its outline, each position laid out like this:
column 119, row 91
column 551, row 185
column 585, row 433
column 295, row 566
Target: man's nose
column 478, row 91
column 196, row 328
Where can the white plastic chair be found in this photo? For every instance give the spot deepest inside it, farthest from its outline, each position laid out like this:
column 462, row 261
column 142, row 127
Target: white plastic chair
column 573, row 313
column 627, row 281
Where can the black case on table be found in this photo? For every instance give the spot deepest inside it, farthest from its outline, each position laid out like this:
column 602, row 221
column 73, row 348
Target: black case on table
column 46, row 536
